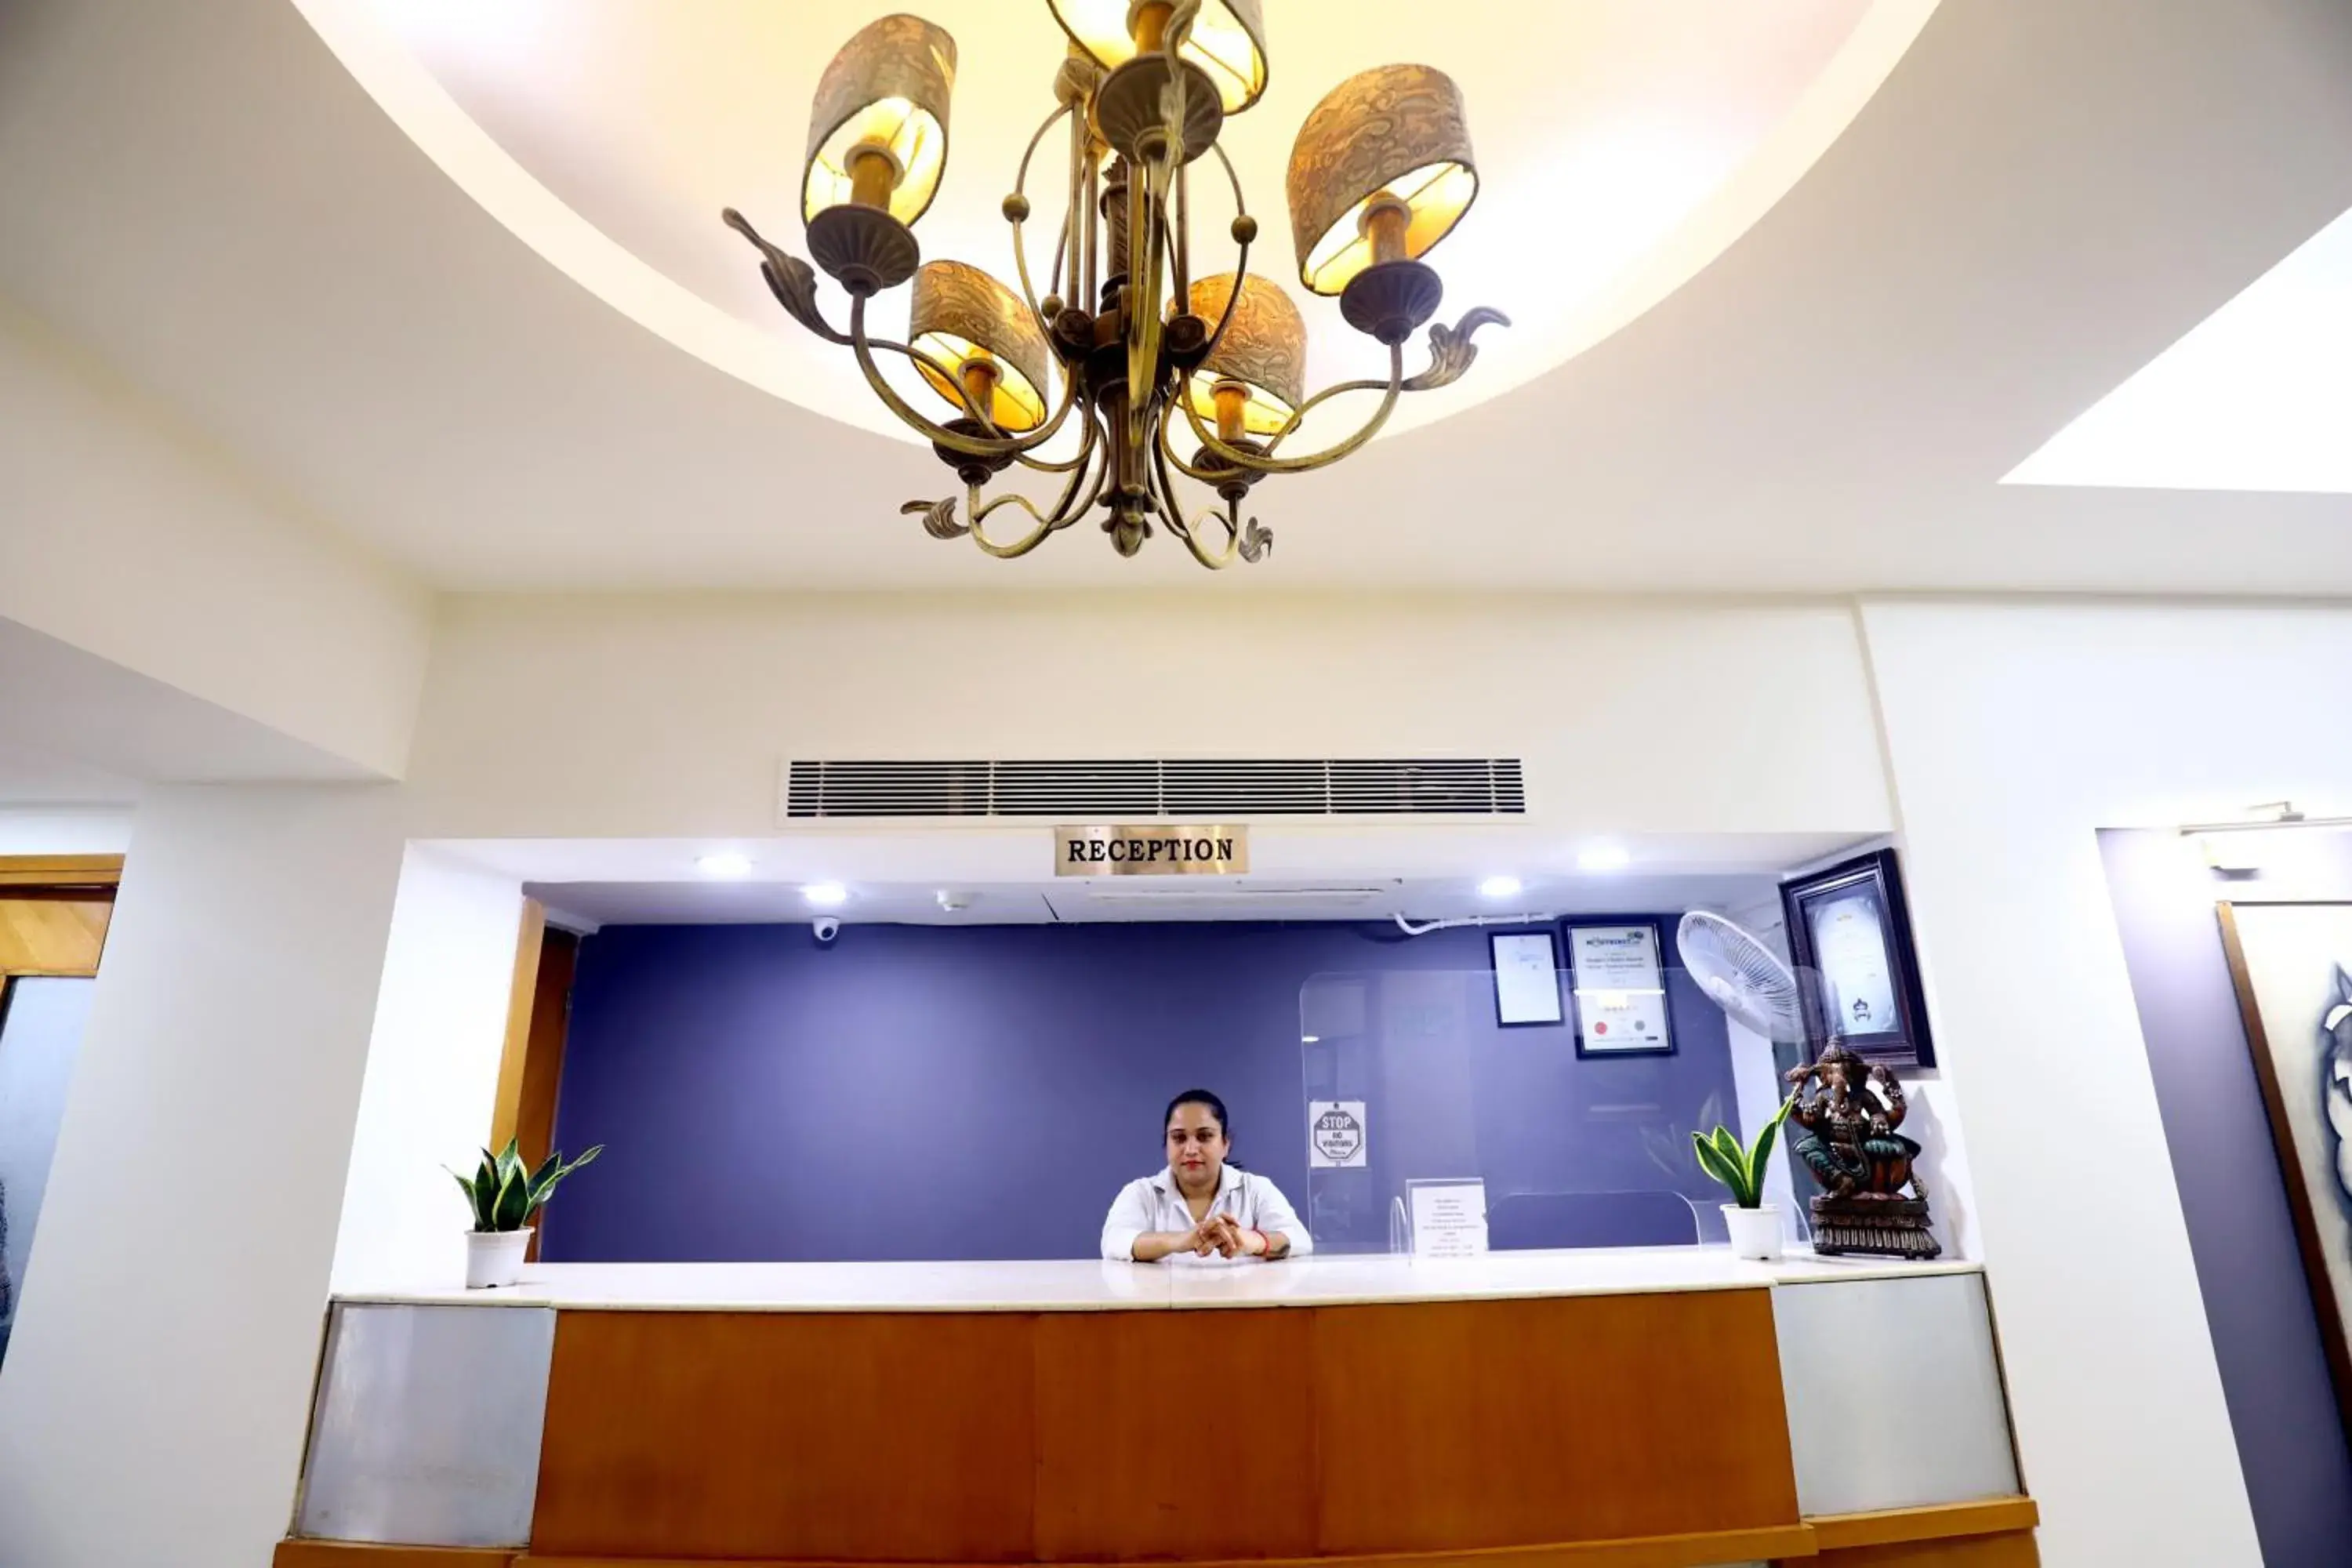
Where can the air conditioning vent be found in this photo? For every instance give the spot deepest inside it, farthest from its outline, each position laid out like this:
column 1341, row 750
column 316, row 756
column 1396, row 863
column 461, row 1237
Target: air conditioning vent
column 1130, row 791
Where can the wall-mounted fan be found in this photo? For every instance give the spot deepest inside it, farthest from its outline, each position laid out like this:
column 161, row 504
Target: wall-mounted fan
column 1741, row 975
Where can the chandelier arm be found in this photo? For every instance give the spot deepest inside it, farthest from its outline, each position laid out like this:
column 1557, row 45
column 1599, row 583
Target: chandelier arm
column 1061, row 516
column 938, row 434
column 1168, row 452
column 1019, row 547
column 1020, row 249
column 792, row 280
column 1179, row 27
column 1075, row 216
column 1257, row 464
column 1189, row 529
column 1241, row 264
column 1248, row 540
column 1068, row 466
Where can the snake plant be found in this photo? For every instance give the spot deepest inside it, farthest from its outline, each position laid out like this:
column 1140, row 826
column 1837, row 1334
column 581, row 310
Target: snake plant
column 505, row 1193
column 1741, row 1169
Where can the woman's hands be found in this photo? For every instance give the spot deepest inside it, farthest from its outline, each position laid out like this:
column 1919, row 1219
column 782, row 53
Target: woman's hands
column 1225, row 1236
column 1217, row 1236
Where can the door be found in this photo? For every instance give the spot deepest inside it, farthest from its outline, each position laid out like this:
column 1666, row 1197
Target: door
column 53, row 920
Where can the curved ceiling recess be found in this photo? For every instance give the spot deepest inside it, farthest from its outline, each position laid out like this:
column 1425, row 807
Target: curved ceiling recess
column 1621, row 145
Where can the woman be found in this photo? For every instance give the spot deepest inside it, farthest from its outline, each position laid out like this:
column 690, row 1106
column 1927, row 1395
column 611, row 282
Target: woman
column 1200, row 1205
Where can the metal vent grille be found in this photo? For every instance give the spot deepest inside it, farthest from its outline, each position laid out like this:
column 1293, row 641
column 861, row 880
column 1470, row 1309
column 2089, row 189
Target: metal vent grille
column 1416, row 787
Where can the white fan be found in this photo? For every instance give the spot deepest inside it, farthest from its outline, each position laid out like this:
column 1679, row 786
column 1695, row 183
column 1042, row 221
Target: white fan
column 1740, row 975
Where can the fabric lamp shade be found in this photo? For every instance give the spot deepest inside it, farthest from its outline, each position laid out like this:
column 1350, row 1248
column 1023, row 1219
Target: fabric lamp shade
column 1394, row 136
column 960, row 314
column 1227, row 40
column 885, row 92
column 1264, row 351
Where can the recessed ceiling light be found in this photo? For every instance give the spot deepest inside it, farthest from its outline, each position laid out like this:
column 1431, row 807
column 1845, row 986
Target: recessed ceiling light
column 726, row 863
column 825, row 895
column 1500, row 888
column 1605, row 858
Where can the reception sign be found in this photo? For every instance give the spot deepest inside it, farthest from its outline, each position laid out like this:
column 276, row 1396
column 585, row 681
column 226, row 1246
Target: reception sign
column 1152, row 850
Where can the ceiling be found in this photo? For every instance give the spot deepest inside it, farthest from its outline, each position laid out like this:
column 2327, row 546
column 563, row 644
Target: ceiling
column 2258, row 396
column 1299, row 869
column 1623, row 141
column 2037, row 201
column 589, row 904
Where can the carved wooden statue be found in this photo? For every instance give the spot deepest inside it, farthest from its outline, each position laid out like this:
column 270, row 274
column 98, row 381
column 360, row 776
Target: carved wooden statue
column 1847, row 1113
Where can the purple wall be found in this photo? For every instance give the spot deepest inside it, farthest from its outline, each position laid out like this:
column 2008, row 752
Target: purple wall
column 977, row 1092
column 2257, row 1301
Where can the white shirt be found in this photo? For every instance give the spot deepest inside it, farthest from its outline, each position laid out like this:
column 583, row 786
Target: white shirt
column 1155, row 1203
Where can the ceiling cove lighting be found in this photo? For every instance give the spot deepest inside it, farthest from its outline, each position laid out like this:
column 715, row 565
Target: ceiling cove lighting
column 1500, row 888
column 724, row 863
column 1137, row 344
column 1603, row 857
column 825, row 895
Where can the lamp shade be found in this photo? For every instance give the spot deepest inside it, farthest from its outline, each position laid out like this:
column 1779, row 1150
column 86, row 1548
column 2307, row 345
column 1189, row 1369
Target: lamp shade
column 959, row 313
column 1264, row 350
column 1227, row 40
column 888, row 90
column 1397, row 132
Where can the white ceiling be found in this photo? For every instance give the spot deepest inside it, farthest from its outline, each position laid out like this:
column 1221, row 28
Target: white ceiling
column 589, row 904
column 2258, row 396
column 2037, row 202
column 1298, row 870
column 1601, row 132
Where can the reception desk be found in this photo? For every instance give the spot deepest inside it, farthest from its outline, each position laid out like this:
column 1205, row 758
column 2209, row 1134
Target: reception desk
column 1646, row 1409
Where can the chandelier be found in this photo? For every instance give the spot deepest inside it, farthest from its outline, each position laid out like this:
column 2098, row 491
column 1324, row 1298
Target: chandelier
column 1382, row 171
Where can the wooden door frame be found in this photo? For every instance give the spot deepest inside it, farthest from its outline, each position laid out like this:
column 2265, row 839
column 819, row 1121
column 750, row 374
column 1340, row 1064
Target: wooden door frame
column 82, row 879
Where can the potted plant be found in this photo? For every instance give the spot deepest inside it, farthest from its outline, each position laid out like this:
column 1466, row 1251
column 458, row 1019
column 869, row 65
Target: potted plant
column 504, row 1194
column 1755, row 1224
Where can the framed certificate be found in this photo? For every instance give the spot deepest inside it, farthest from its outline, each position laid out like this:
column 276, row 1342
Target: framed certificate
column 1620, row 982
column 1526, row 979
column 1857, row 972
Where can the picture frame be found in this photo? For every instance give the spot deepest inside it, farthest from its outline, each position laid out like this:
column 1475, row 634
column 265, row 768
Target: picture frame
column 1857, row 972
column 1526, row 979
column 1617, row 983
column 2291, row 966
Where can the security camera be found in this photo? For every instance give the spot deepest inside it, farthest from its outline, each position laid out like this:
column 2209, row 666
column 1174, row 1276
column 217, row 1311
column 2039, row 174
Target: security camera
column 826, row 927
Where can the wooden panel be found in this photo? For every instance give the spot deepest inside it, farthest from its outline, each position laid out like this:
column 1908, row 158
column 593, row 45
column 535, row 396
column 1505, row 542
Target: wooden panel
column 352, row 1554
column 506, row 1110
column 1989, row 1515
column 1454, row 1424
column 542, row 1063
column 2013, row 1550
column 60, row 871
column 1663, row 1552
column 1174, row 1435
column 903, row 1436
column 52, row 935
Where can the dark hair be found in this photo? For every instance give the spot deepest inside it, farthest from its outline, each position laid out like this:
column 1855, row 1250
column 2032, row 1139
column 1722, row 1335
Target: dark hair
column 1203, row 1097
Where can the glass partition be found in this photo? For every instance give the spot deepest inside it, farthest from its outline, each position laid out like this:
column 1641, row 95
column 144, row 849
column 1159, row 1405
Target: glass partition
column 1582, row 1138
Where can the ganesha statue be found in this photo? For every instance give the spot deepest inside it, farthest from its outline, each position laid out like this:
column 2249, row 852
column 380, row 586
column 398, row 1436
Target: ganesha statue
column 1846, row 1112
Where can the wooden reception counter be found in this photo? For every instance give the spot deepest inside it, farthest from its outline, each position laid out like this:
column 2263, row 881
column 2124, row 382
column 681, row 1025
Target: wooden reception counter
column 1647, row 1409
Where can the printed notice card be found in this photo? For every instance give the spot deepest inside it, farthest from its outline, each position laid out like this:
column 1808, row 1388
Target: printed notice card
column 1449, row 1218
column 1335, row 1135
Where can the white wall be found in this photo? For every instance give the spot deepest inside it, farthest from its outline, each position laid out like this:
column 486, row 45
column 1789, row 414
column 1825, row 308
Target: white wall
column 432, row 1074
column 152, row 1411
column 667, row 717
column 2015, row 731
column 128, row 537
column 65, row 829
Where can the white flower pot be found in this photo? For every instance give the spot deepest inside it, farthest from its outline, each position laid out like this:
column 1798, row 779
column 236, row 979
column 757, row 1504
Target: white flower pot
column 495, row 1256
column 1755, row 1233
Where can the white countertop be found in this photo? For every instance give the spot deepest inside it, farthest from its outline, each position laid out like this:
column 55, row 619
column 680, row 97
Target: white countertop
column 1322, row 1280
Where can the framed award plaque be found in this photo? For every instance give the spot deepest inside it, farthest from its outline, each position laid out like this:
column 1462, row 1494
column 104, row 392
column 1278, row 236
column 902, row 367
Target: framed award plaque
column 1857, row 972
